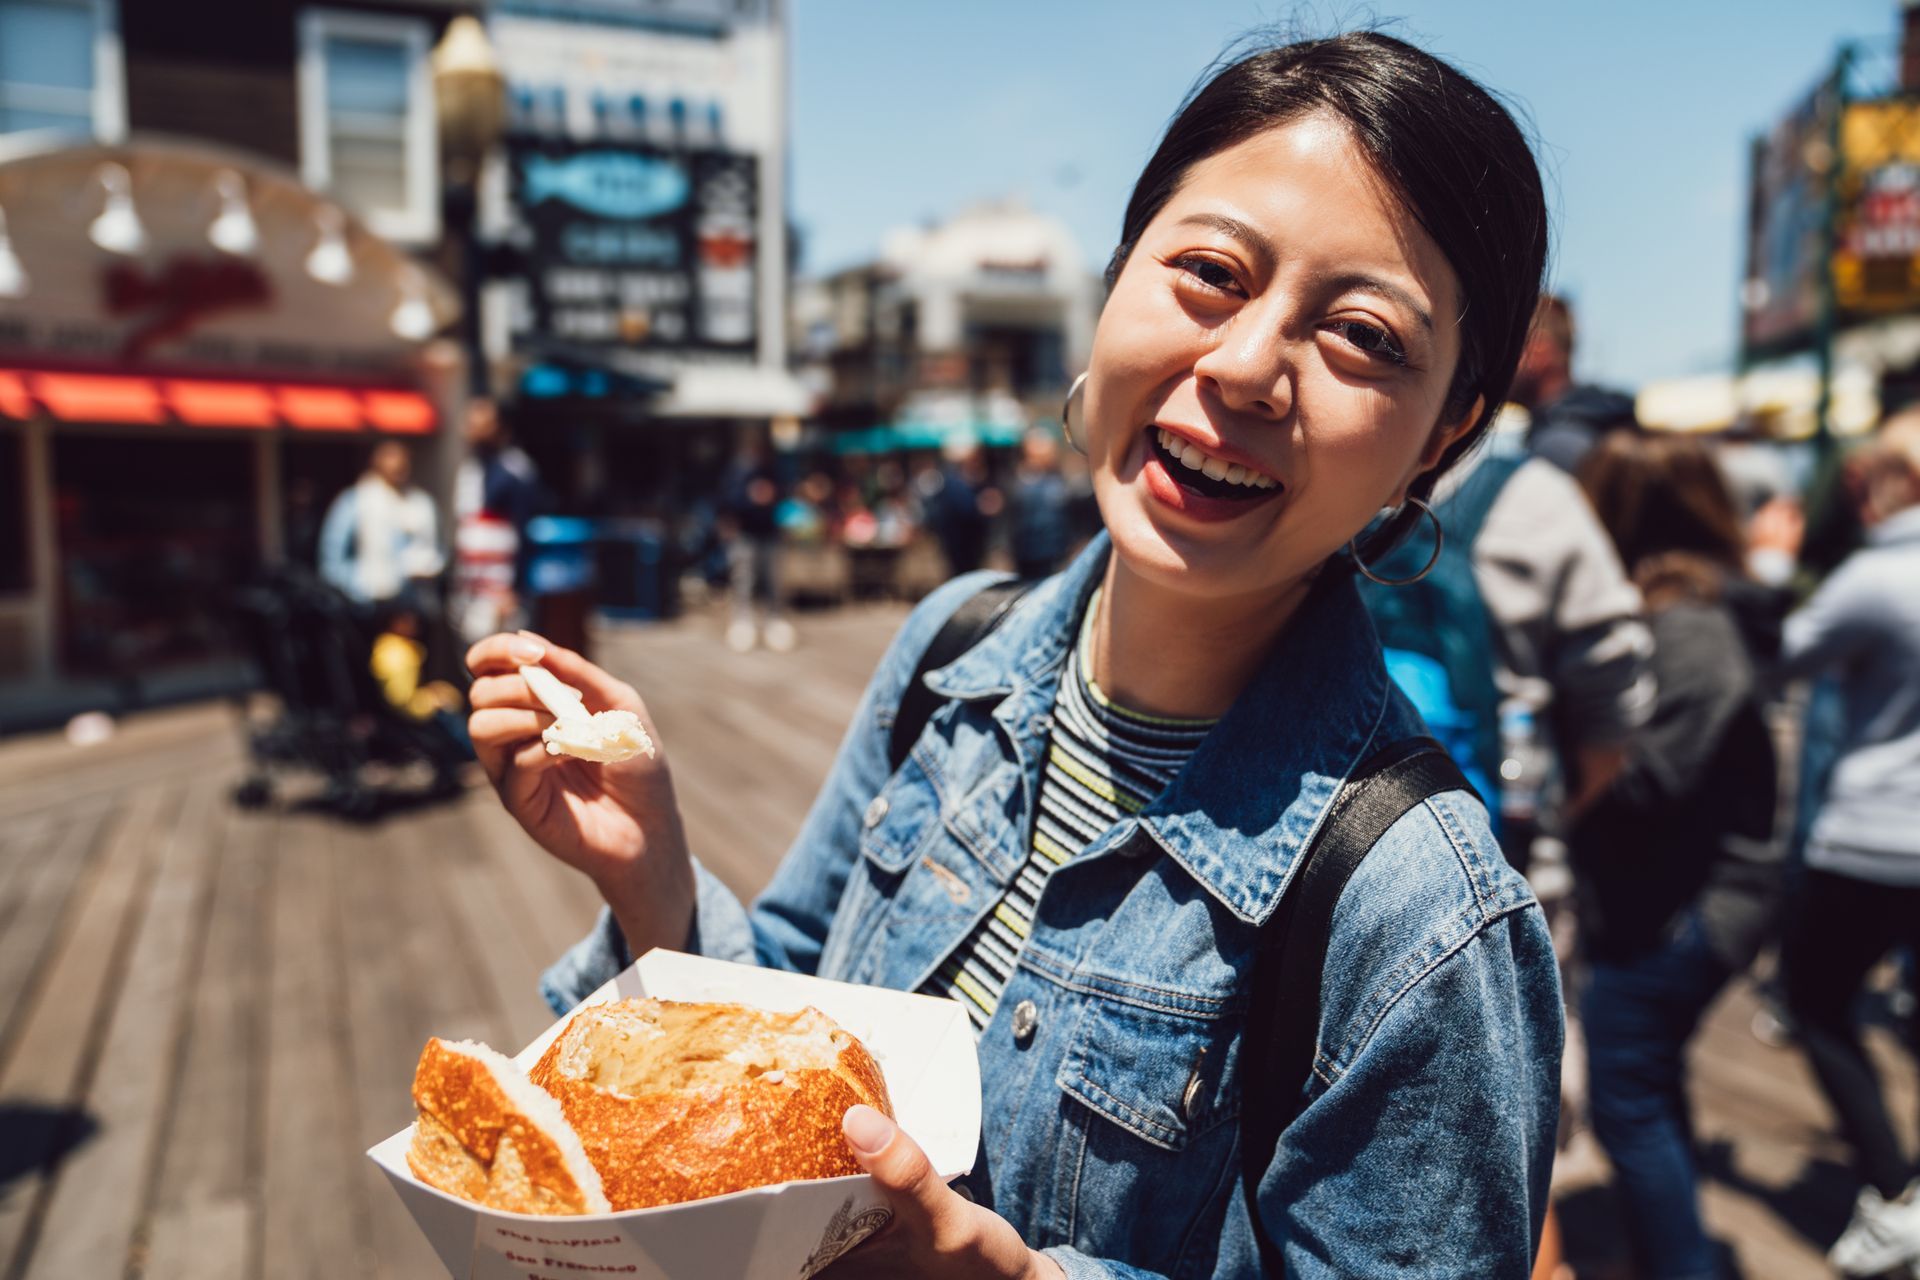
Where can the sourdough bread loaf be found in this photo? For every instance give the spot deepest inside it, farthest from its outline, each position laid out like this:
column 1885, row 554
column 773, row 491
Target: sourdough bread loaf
column 679, row 1101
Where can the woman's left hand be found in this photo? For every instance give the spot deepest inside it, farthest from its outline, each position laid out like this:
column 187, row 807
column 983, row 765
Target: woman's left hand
column 935, row 1232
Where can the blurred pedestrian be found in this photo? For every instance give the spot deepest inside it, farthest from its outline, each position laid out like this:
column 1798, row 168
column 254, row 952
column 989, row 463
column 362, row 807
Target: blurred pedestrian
column 1041, row 531
column 1524, row 639
column 380, row 540
column 1676, row 865
column 1568, row 417
column 496, row 492
column 960, row 510
column 431, row 710
column 1860, row 895
column 496, row 476
column 751, row 505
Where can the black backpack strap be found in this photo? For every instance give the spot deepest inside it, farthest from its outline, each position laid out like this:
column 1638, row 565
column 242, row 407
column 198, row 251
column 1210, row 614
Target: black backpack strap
column 979, row 614
column 1283, row 1021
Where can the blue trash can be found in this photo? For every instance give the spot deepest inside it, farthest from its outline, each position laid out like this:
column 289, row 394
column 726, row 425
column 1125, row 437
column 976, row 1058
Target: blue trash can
column 562, row 577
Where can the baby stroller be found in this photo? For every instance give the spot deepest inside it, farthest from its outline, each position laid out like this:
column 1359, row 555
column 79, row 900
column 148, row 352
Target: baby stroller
column 312, row 646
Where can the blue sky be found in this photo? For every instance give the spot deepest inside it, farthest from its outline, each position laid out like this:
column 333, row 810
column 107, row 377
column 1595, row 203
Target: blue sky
column 904, row 110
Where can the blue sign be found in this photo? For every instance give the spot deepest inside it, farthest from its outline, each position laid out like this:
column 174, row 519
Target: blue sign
column 611, row 184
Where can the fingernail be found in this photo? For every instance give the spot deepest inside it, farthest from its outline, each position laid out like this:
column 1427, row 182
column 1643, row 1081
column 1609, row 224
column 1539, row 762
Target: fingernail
column 526, row 652
column 867, row 1129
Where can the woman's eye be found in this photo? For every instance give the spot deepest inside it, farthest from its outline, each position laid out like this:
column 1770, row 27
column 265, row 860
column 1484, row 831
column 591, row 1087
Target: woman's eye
column 1371, row 339
column 1208, row 273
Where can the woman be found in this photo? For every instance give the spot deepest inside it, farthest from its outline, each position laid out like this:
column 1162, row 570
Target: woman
column 1676, row 868
column 1324, row 278
column 1860, row 897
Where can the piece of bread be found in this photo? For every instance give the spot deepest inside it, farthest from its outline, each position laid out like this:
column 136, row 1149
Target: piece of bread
column 679, row 1101
column 488, row 1134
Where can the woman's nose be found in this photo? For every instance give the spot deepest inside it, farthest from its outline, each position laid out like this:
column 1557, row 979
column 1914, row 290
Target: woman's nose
column 1250, row 372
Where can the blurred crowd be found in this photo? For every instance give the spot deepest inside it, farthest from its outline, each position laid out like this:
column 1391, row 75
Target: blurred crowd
column 1703, row 708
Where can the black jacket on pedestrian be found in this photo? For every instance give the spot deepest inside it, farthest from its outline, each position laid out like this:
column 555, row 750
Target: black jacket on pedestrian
column 1691, row 816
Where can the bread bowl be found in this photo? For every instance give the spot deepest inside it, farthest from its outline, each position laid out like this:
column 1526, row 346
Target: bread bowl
column 677, row 1101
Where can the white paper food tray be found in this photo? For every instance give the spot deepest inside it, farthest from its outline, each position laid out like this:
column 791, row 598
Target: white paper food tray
column 786, row 1232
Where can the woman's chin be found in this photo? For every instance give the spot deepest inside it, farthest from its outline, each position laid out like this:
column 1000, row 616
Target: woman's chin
column 1199, row 561
column 1156, row 551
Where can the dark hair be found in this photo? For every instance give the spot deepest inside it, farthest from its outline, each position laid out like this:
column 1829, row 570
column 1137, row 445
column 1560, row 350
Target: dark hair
column 1445, row 144
column 1665, row 504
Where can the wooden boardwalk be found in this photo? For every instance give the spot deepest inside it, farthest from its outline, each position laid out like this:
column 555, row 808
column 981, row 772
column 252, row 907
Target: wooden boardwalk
column 207, row 1014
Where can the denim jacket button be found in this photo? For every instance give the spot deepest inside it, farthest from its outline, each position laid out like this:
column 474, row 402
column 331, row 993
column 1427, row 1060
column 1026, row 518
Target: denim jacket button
column 1026, row 1016
column 876, row 810
column 1190, row 1097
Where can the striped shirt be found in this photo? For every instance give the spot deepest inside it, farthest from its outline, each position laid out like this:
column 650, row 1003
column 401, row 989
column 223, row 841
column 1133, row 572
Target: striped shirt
column 1104, row 763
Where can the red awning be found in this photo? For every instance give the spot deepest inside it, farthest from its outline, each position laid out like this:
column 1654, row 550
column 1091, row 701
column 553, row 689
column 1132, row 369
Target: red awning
column 206, row 402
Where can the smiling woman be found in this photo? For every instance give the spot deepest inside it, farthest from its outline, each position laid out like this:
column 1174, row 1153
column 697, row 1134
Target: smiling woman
column 1324, row 279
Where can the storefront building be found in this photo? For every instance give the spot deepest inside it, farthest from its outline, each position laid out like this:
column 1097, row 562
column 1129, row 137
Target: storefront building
column 196, row 353
column 640, row 193
column 218, row 287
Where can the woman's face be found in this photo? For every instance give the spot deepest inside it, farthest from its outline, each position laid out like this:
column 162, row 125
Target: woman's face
column 1285, row 323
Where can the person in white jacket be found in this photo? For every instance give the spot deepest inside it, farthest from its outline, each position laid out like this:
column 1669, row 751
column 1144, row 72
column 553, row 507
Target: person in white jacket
column 381, row 539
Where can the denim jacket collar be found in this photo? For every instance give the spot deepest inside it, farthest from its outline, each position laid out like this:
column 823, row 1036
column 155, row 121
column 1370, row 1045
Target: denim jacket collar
column 1250, row 799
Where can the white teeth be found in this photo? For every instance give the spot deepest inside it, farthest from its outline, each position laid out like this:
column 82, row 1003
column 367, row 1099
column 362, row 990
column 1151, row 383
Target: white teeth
column 1194, row 458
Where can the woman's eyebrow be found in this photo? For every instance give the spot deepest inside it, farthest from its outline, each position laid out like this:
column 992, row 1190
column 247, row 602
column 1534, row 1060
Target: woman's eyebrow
column 1234, row 229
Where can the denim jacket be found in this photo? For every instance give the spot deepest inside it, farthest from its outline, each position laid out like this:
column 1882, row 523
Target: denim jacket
column 1110, row 1123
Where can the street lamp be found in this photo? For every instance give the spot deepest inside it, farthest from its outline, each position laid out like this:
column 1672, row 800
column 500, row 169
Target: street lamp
column 470, row 94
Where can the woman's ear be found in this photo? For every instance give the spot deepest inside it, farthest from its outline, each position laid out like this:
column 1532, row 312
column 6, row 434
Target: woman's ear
column 1442, row 438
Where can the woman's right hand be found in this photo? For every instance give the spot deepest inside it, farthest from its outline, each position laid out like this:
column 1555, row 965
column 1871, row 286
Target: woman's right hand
column 617, row 823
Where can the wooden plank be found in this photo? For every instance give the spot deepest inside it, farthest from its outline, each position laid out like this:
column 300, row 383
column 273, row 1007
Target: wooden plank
column 411, row 972
column 210, row 1163
column 92, row 785
column 42, row 897
column 208, row 1242
column 557, row 904
column 53, row 1057
column 23, row 851
column 36, row 758
column 315, row 1218
column 101, row 1190
column 508, row 961
column 740, row 844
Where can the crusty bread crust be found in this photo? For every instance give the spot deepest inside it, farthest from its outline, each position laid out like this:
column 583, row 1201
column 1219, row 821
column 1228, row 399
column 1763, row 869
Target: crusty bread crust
column 735, row 1118
column 474, row 1141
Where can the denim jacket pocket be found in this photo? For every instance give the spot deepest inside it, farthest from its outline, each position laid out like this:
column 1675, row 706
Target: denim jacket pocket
column 1158, row 1098
column 1158, row 1074
column 899, row 820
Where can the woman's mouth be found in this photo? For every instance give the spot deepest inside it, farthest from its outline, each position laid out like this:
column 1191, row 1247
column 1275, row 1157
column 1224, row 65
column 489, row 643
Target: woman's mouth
column 1185, row 477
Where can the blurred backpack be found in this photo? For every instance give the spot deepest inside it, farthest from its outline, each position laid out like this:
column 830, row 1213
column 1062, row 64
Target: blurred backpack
column 1437, row 634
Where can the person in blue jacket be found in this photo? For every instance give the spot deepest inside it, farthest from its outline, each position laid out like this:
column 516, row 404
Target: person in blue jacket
column 1324, row 279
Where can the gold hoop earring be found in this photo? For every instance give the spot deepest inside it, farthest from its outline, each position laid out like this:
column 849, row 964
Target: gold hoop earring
column 1075, row 408
column 1439, row 541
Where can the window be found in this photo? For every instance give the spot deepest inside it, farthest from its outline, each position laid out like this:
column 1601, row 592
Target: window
column 366, row 119
column 14, row 576
column 60, row 67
